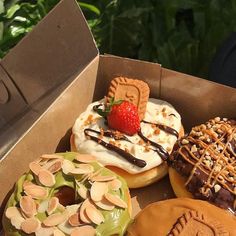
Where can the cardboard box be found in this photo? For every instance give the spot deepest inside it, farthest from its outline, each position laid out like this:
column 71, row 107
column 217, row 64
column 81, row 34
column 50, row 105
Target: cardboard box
column 59, row 59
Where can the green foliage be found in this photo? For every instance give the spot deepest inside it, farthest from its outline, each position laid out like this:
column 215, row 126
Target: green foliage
column 20, row 16
column 180, row 34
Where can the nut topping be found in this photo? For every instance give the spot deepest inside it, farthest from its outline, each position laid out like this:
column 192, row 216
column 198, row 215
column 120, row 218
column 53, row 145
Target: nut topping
column 54, row 166
column 52, row 205
column 67, row 167
column 12, row 211
column 102, row 178
column 105, row 204
column 58, row 232
column 35, row 167
column 82, row 169
column 97, row 191
column 94, row 215
column 28, row 206
column 85, row 158
column 51, row 156
column 35, row 191
column 115, row 184
column 116, row 200
column 46, row 178
column 30, row 225
column 86, row 230
column 83, row 215
column 82, row 190
column 16, row 221
column 55, row 219
column 74, row 220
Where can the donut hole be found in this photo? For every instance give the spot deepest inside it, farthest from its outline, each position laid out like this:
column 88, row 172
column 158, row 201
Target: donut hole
column 66, row 195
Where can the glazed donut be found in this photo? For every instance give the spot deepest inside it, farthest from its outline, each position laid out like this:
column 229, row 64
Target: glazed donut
column 183, row 216
column 160, row 129
column 68, row 194
column 203, row 164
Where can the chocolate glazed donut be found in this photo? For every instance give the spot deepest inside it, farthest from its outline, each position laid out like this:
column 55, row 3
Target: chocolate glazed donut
column 206, row 158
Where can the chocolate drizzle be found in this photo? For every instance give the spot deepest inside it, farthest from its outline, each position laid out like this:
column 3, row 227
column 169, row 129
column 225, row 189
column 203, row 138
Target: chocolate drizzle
column 159, row 149
column 165, row 128
column 130, row 158
column 119, row 136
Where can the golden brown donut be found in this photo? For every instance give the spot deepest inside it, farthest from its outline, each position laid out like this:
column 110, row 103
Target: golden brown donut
column 142, row 179
column 183, row 217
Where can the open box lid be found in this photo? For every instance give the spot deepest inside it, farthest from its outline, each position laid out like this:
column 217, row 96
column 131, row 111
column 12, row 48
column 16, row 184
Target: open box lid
column 38, row 68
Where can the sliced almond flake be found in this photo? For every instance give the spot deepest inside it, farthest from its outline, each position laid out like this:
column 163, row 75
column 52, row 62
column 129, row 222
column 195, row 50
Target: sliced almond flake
column 85, row 158
column 16, row 221
column 74, row 220
column 55, row 219
column 85, row 230
column 54, row 166
column 30, row 225
column 12, row 211
column 94, row 215
column 116, row 200
column 82, row 190
column 28, row 206
column 46, row 178
column 82, row 213
column 51, row 156
column 35, row 167
column 67, row 166
column 104, row 204
column 35, row 191
column 58, row 232
column 82, row 169
column 103, row 178
column 43, row 206
column 115, row 184
column 27, row 183
column 52, row 205
column 44, row 231
column 97, row 191
column 72, row 209
column 65, row 227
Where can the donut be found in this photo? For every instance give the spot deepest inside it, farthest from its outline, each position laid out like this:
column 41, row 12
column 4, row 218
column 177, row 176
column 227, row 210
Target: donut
column 142, row 160
column 183, row 217
column 203, row 163
column 68, row 194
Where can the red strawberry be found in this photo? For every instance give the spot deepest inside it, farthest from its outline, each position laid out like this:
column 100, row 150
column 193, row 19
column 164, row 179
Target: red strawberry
column 124, row 118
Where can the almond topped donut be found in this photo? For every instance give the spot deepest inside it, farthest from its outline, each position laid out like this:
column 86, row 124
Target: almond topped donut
column 130, row 135
column 203, row 163
column 68, row 194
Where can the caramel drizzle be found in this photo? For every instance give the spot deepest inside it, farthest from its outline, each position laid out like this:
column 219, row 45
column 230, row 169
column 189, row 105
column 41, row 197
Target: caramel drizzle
column 226, row 158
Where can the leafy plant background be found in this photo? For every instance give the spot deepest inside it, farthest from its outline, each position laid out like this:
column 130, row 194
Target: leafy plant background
column 180, row 34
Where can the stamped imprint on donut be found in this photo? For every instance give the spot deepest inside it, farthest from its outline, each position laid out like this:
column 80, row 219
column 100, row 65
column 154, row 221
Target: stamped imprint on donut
column 132, row 90
column 194, row 223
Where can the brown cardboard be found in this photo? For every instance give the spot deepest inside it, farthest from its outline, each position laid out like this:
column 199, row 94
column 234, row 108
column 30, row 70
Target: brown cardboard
column 39, row 62
column 195, row 99
column 11, row 101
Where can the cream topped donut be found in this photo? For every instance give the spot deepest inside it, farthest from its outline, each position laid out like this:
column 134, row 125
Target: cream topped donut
column 68, row 194
column 130, row 155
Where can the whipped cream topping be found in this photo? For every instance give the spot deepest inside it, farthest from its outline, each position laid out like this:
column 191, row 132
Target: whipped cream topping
column 157, row 111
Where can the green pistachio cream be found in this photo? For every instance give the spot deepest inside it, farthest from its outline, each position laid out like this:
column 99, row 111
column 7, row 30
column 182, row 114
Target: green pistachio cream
column 114, row 221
